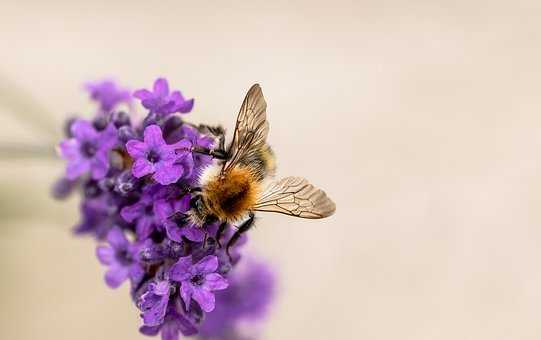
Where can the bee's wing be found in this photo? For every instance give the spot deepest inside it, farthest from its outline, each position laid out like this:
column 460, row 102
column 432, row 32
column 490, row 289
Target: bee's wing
column 251, row 130
column 295, row 196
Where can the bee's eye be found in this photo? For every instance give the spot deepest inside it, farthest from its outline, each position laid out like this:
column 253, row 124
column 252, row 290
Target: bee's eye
column 196, row 202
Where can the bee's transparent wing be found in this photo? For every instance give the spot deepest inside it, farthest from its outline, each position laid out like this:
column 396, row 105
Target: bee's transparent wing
column 251, row 129
column 295, row 196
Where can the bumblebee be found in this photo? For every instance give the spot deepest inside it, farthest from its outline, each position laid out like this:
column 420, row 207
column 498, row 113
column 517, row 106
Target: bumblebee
column 231, row 190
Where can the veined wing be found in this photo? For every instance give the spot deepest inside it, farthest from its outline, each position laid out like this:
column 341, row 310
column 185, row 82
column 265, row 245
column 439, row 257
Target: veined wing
column 295, row 196
column 251, row 129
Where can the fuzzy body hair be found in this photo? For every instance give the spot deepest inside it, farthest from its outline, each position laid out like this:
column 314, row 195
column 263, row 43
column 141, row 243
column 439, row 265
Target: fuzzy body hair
column 230, row 196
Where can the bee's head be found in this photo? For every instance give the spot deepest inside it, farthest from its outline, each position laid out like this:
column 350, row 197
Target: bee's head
column 199, row 212
column 196, row 203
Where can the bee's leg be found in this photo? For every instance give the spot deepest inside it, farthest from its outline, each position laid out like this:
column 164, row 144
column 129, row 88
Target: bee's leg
column 187, row 190
column 241, row 230
column 215, row 153
column 221, row 143
column 219, row 233
column 205, row 239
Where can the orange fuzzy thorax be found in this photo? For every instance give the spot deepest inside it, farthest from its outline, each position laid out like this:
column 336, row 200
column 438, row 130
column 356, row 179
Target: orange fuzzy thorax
column 231, row 196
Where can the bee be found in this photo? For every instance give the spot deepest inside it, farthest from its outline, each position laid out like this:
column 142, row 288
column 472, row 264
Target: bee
column 231, row 190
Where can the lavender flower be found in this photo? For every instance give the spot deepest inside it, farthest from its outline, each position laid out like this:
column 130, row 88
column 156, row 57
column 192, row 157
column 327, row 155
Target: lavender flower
column 174, row 324
column 143, row 212
column 120, row 257
column 172, row 214
column 154, row 302
column 161, row 102
column 198, row 281
column 107, row 94
column 99, row 216
column 154, row 156
column 247, row 298
column 88, row 150
column 137, row 180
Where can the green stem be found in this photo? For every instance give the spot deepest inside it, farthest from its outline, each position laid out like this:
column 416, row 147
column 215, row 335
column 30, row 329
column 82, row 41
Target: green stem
column 25, row 108
column 21, row 151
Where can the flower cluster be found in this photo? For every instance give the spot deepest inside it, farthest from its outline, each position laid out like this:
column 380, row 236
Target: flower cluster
column 137, row 178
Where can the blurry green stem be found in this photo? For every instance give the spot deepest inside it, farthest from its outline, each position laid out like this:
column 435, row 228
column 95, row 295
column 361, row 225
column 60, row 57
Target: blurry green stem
column 22, row 151
column 25, row 109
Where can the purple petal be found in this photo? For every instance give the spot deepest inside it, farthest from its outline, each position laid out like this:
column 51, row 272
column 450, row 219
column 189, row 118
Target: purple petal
column 142, row 94
column 153, row 136
column 150, row 331
column 205, row 299
column 187, row 106
column 137, row 273
column 99, row 165
column 83, row 130
column 180, row 271
column 109, row 137
column 106, row 255
column 136, row 149
column 186, row 291
column 167, row 173
column 70, row 149
column 142, row 167
column 177, row 97
column 174, row 233
column 161, row 87
column 144, row 227
column 185, row 326
column 215, row 281
column 167, row 154
column 151, row 103
column 161, row 288
column 155, row 315
column 204, row 141
column 187, row 164
column 131, row 212
column 193, row 233
column 148, row 299
column 162, row 210
column 183, row 204
column 181, row 105
column 170, row 331
column 116, row 275
column 117, row 239
column 77, row 168
column 208, row 264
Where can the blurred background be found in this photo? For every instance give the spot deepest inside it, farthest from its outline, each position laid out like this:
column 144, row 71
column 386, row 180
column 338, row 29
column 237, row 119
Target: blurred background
column 421, row 120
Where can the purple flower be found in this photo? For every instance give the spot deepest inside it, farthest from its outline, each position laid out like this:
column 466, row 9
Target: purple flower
column 248, row 297
column 172, row 214
column 135, row 179
column 154, row 156
column 88, row 150
column 174, row 323
column 107, row 94
column 198, row 281
column 63, row 187
column 161, row 102
column 154, row 302
column 120, row 259
column 99, row 215
column 198, row 139
column 143, row 213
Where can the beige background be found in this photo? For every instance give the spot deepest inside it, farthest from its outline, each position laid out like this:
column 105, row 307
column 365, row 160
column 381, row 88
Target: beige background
column 420, row 118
